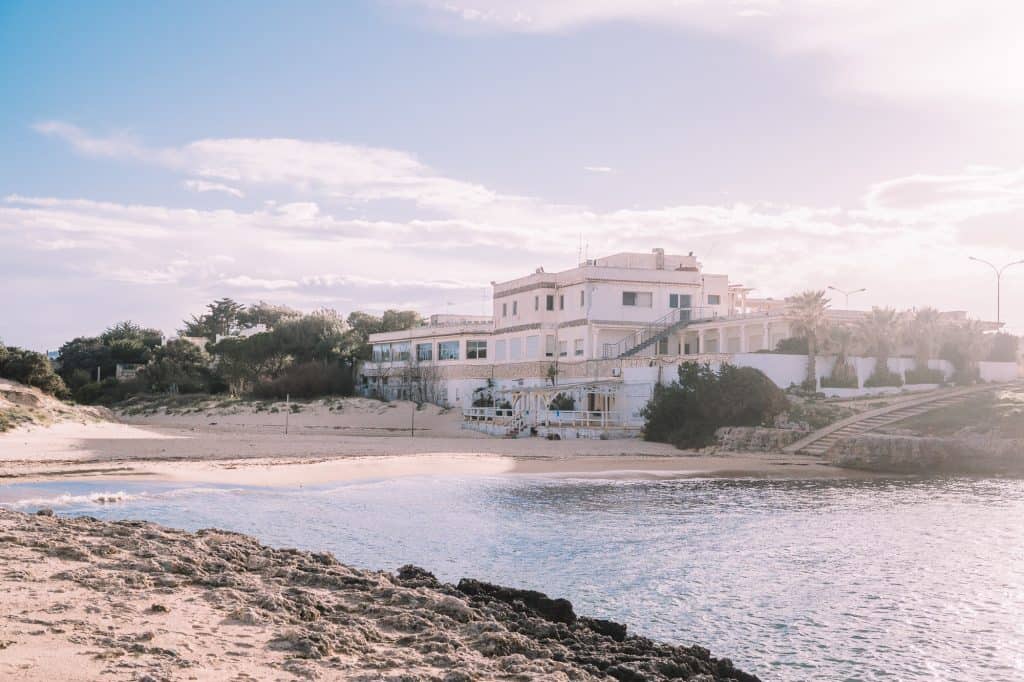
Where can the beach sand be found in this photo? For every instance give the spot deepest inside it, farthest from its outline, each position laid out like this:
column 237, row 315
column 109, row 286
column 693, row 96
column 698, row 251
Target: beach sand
column 346, row 440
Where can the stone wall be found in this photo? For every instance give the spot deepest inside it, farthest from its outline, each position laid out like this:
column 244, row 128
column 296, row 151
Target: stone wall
column 927, row 455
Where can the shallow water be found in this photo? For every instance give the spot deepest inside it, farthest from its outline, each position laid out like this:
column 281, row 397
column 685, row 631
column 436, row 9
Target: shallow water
column 793, row 580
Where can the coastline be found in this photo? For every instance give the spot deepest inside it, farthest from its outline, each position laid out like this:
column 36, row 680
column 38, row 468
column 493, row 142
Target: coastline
column 132, row 600
column 204, row 455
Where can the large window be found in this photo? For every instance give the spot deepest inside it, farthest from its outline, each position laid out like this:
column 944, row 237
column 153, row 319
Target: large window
column 578, row 347
column 532, row 347
column 549, row 346
column 679, row 301
column 515, row 349
column 583, row 297
column 476, row 350
column 551, row 302
column 400, row 351
column 561, row 301
column 714, row 299
column 536, row 302
column 640, row 299
column 499, row 351
column 424, row 352
column 515, row 308
column 563, row 349
column 382, row 352
column 504, row 309
column 448, row 350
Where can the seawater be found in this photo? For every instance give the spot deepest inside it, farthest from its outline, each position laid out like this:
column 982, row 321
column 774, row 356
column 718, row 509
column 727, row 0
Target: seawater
column 793, row 580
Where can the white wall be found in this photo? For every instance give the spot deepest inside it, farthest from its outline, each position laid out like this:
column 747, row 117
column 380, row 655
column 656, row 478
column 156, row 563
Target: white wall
column 998, row 371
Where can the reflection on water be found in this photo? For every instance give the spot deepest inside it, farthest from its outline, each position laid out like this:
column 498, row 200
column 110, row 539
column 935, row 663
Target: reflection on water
column 794, row 580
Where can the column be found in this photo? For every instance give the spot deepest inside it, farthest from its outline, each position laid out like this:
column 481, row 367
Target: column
column 743, row 338
column 700, row 341
column 766, row 342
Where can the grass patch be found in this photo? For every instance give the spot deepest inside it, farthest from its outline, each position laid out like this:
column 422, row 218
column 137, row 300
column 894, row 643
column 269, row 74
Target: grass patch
column 1000, row 413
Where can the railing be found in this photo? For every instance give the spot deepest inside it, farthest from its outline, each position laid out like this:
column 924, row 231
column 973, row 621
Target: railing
column 497, row 415
column 652, row 331
column 584, row 418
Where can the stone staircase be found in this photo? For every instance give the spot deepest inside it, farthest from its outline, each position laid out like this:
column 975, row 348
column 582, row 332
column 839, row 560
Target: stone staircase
column 819, row 442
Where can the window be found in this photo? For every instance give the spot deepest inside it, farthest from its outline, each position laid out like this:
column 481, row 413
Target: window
column 499, row 351
column 714, row 299
column 549, row 346
column 577, row 347
column 400, row 351
column 515, row 349
column 532, row 347
column 476, row 350
column 424, row 352
column 448, row 350
column 550, row 305
column 515, row 308
column 536, row 302
column 563, row 349
column 641, row 299
column 583, row 297
column 679, row 301
column 382, row 352
column 561, row 301
column 504, row 309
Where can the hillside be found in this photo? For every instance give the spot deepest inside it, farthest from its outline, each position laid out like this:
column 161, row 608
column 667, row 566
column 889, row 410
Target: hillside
column 22, row 405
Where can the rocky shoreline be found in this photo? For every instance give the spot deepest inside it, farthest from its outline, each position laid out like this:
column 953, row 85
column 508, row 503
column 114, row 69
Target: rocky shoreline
column 132, row 600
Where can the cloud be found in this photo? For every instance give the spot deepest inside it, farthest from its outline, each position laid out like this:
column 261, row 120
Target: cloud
column 598, row 169
column 247, row 282
column 903, row 240
column 205, row 186
column 916, row 49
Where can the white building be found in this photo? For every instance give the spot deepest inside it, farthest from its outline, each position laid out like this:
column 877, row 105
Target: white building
column 603, row 334
column 581, row 332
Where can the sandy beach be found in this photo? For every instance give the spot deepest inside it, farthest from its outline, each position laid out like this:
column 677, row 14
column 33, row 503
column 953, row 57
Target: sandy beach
column 345, row 440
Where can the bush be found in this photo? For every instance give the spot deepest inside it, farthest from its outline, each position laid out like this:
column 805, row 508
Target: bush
column 106, row 392
column 792, row 346
column 32, row 369
column 308, row 380
column 689, row 411
column 925, row 375
column 844, row 375
column 883, row 377
column 563, row 402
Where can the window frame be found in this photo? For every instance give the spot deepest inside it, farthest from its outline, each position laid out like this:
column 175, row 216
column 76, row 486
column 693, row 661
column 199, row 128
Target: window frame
column 441, row 353
column 476, row 349
column 429, row 355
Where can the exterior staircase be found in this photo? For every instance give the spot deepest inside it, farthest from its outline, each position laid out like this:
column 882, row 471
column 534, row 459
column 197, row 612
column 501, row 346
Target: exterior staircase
column 650, row 334
column 516, row 425
column 819, row 442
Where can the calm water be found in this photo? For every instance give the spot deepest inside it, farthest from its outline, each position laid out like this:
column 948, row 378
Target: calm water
column 804, row 580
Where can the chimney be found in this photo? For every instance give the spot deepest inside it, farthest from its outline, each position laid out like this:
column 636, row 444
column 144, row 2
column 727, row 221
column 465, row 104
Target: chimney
column 659, row 258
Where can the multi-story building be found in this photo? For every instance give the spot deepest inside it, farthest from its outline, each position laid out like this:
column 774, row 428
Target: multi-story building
column 575, row 332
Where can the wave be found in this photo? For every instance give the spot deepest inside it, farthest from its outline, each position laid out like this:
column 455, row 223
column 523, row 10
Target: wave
column 68, row 500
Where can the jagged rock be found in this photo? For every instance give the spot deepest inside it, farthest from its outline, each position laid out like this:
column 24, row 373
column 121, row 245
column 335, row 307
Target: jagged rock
column 928, row 455
column 557, row 610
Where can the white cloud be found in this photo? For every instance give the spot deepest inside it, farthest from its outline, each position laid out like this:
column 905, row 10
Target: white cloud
column 247, row 282
column 206, row 186
column 598, row 169
column 906, row 49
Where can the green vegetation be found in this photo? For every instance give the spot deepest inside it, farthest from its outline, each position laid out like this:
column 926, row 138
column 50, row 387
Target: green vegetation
column 925, row 376
column 810, row 325
column 32, row 369
column 689, row 411
column 264, row 350
column 563, row 402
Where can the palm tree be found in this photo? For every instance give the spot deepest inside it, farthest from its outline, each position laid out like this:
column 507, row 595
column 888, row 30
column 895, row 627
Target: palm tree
column 878, row 331
column 921, row 331
column 808, row 310
column 840, row 339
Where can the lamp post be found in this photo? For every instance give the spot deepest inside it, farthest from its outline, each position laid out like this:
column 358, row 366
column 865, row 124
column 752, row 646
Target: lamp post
column 999, row 283
column 847, row 293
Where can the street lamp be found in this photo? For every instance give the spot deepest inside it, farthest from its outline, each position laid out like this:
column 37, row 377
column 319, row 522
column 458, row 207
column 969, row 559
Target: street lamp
column 999, row 283
column 846, row 293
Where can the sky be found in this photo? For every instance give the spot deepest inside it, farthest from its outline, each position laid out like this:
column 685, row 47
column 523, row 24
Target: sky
column 406, row 153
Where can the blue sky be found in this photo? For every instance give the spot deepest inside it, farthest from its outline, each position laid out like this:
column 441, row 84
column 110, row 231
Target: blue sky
column 363, row 155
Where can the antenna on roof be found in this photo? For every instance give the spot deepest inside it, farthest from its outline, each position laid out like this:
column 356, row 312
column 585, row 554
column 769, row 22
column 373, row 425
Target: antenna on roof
column 579, row 251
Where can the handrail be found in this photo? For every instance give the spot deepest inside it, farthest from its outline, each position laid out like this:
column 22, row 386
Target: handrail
column 652, row 330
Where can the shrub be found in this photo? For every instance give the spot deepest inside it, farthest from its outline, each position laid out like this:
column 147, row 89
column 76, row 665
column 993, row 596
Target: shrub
column 925, row 375
column 563, row 402
column 106, row 392
column 308, row 380
column 792, row 346
column 32, row 369
column 689, row 411
column 883, row 377
column 844, row 375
